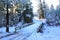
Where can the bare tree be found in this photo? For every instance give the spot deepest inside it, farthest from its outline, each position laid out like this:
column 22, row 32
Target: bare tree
column 40, row 10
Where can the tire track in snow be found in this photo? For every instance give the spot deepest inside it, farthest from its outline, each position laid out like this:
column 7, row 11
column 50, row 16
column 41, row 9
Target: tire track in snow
column 11, row 37
column 21, row 37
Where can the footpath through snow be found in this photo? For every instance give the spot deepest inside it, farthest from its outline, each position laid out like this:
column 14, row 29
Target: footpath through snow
column 30, row 33
column 24, row 32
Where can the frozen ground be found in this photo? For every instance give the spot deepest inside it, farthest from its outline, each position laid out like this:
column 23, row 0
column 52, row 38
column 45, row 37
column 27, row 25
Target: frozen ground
column 49, row 33
column 30, row 33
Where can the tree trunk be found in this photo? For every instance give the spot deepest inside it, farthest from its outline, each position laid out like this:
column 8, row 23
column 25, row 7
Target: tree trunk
column 7, row 19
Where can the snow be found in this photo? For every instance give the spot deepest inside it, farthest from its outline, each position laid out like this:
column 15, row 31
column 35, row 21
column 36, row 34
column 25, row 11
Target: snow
column 28, row 15
column 30, row 32
column 49, row 33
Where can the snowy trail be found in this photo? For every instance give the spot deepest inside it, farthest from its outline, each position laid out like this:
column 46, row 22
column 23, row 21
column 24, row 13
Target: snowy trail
column 21, row 37
column 24, row 33
column 12, row 36
column 17, row 36
column 30, row 33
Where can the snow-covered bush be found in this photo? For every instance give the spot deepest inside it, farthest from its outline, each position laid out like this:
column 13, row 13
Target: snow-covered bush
column 53, row 17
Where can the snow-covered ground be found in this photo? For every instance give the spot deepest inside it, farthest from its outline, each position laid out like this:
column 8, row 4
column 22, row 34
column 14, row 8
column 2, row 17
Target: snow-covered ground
column 24, row 31
column 30, row 32
column 49, row 33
